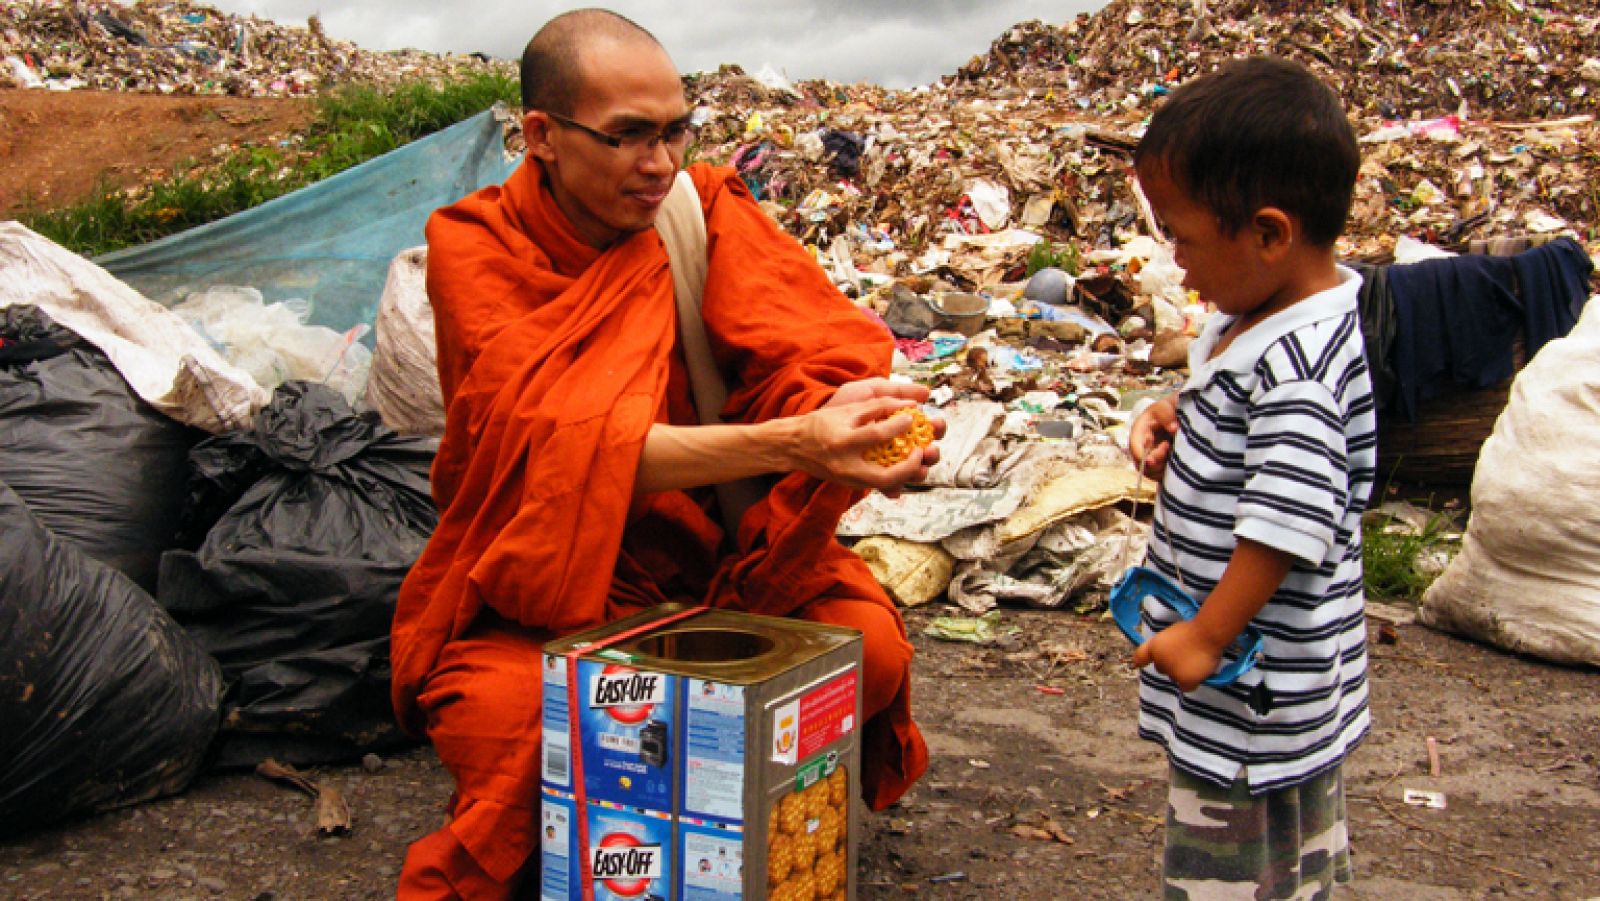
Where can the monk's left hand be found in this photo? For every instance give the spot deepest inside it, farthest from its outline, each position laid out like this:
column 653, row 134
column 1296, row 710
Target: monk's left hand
column 870, row 389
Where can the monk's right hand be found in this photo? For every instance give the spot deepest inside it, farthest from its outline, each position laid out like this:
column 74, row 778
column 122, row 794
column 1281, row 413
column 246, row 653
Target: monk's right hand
column 1150, row 437
column 833, row 441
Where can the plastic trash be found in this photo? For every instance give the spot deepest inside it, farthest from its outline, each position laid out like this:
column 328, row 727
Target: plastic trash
column 98, row 466
column 992, row 202
column 104, row 701
column 274, row 344
column 973, row 629
column 1049, row 285
column 309, row 522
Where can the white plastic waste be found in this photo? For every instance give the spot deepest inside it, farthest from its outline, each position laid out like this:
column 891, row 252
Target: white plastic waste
column 273, row 343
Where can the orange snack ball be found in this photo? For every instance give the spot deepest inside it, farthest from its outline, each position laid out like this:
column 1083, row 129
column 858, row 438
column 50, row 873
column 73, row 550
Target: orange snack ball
column 900, row 446
column 816, row 798
column 780, row 860
column 829, row 829
column 803, row 887
column 773, row 830
column 782, row 892
column 792, row 814
column 838, row 788
column 805, row 851
column 829, row 873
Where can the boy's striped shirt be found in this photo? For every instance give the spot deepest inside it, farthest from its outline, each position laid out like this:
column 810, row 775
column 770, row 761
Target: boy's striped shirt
column 1276, row 443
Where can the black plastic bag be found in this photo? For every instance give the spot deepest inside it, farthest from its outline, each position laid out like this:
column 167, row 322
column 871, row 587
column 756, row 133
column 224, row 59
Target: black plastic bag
column 104, row 700
column 97, row 465
column 310, row 521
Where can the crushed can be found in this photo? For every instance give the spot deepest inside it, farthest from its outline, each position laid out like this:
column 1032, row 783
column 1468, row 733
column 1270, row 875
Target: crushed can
column 692, row 754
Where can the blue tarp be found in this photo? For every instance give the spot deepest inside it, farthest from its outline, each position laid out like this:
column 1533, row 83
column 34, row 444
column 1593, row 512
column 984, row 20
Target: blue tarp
column 329, row 243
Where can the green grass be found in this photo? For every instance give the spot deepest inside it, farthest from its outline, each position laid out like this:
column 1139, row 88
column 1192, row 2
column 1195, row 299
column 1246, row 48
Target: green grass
column 1062, row 256
column 353, row 124
column 1390, row 551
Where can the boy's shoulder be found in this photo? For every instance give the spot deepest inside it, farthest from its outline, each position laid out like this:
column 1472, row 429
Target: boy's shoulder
column 1311, row 339
column 1316, row 349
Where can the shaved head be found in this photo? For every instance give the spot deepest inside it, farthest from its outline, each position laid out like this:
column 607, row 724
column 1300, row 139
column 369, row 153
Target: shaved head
column 550, row 63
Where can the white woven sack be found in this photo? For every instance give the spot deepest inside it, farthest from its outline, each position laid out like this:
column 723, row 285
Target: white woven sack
column 165, row 361
column 403, row 385
column 1528, row 575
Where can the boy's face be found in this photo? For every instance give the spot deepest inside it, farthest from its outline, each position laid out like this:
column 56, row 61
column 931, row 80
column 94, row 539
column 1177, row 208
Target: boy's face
column 1226, row 270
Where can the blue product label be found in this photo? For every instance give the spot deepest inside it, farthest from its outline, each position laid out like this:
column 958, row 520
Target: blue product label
column 711, row 860
column 558, row 833
column 556, row 756
column 630, row 853
column 713, row 758
column 627, row 728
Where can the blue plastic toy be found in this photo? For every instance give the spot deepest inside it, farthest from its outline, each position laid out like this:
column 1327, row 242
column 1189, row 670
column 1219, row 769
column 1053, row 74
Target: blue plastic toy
column 1140, row 582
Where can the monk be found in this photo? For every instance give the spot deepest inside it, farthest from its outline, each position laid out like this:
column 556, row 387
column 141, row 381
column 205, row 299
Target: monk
column 574, row 477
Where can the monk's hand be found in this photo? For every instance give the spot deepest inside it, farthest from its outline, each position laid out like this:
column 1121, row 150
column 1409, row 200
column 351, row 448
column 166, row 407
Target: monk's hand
column 868, row 389
column 834, row 442
column 1150, row 436
column 908, row 393
column 1183, row 652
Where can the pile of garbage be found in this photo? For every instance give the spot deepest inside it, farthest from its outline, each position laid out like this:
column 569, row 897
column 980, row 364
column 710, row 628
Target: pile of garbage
column 1392, row 59
column 1473, row 117
column 181, row 47
column 1006, row 188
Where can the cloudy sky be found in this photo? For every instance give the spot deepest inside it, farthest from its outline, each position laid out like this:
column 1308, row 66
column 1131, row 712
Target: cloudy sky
column 896, row 43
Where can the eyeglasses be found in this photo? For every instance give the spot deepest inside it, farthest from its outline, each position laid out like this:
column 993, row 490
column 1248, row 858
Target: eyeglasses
column 675, row 135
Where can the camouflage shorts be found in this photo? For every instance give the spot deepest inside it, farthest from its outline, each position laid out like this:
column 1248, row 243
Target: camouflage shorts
column 1224, row 844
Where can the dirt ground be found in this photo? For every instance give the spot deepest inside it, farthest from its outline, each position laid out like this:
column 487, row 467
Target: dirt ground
column 1033, row 737
column 54, row 145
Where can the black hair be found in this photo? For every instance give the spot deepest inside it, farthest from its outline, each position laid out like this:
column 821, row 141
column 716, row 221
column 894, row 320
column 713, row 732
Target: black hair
column 550, row 61
column 1258, row 132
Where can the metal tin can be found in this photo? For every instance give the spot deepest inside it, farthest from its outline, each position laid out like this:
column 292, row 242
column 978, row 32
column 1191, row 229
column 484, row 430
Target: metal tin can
column 708, row 758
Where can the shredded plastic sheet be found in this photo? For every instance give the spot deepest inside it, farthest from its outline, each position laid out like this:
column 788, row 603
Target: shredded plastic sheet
column 274, row 344
column 164, row 360
column 329, row 244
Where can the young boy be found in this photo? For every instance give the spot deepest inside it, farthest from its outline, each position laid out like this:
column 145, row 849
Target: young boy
column 1266, row 457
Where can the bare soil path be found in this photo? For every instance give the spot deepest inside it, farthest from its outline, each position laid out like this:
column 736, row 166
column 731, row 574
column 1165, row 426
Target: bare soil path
column 1029, row 740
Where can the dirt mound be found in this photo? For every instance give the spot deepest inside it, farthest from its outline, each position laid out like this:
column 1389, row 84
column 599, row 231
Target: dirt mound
column 55, row 145
column 182, row 47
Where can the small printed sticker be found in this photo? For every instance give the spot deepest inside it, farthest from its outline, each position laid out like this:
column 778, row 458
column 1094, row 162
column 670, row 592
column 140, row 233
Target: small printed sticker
column 1419, row 798
column 814, row 771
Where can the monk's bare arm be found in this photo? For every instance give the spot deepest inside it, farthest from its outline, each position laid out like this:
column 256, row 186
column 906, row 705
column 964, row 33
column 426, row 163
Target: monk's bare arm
column 828, row 443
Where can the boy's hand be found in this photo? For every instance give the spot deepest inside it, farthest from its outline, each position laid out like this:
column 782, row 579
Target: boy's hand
column 1182, row 652
column 1189, row 651
column 1150, row 436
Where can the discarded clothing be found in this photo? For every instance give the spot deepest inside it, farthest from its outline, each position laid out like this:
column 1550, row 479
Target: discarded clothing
column 844, row 151
column 1553, row 282
column 1376, row 304
column 1457, row 319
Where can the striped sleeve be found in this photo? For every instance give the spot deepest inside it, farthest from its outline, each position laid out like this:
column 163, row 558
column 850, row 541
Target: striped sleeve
column 1296, row 472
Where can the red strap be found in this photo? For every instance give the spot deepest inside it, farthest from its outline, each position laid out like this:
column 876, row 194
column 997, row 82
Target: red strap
column 575, row 750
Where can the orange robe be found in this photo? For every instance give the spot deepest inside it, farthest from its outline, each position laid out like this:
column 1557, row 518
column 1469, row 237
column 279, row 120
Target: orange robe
column 555, row 359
